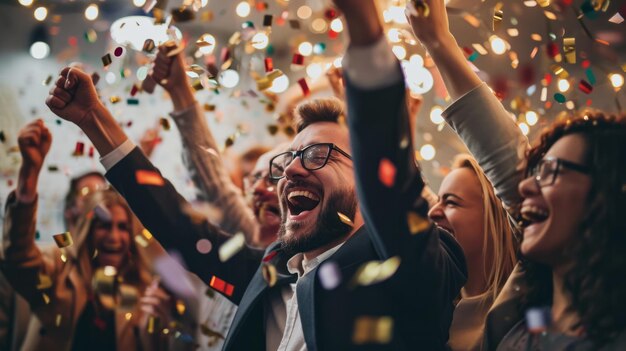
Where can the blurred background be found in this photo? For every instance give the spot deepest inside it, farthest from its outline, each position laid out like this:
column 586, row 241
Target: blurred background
column 540, row 57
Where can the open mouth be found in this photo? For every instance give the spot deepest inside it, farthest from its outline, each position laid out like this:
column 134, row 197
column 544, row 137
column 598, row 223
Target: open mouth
column 533, row 214
column 110, row 250
column 299, row 201
column 267, row 208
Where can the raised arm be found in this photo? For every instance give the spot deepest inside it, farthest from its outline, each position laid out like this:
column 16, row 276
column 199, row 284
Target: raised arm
column 500, row 148
column 388, row 180
column 151, row 197
column 22, row 262
column 201, row 155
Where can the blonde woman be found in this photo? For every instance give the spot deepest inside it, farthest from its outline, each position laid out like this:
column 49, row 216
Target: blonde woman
column 67, row 313
column 469, row 209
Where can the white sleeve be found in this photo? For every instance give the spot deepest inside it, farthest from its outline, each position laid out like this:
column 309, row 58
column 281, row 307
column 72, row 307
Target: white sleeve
column 112, row 158
column 373, row 66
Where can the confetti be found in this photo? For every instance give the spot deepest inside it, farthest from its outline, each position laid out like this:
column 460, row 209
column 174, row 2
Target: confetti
column 585, row 87
column 416, row 223
column 559, row 71
column 267, row 20
column 269, row 274
column 57, row 320
column 330, row 275
column 297, row 59
column 367, row 329
column 374, row 272
column 180, row 307
column 497, row 16
column 221, row 286
column 63, row 240
column 132, row 101
column 345, row 219
column 204, row 246
column 44, row 282
column 115, row 99
column 304, row 86
column 387, row 172
column 543, row 3
column 560, row 98
column 148, row 46
column 294, row 24
column 118, row 51
column 269, row 64
column 128, row 297
column 165, row 123
column 152, row 321
column 47, row 80
column 537, row 320
column 79, row 149
column 106, row 60
column 569, row 49
column 590, row 76
column 616, row 18
column 146, row 177
column 91, row 36
column 418, row 8
column 231, row 247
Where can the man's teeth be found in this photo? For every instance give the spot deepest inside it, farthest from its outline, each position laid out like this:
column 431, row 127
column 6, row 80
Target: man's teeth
column 304, row 193
column 533, row 213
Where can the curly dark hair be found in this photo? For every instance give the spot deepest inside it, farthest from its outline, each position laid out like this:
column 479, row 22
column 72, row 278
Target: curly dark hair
column 596, row 278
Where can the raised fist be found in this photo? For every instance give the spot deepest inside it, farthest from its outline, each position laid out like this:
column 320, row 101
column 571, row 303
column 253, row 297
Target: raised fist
column 74, row 95
column 34, row 142
column 169, row 67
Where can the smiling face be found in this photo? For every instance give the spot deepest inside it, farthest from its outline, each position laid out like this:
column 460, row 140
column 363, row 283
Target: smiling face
column 554, row 212
column 460, row 211
column 310, row 200
column 262, row 198
column 112, row 239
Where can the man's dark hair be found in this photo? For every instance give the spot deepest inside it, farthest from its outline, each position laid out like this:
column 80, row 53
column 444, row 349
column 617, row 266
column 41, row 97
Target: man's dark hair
column 318, row 110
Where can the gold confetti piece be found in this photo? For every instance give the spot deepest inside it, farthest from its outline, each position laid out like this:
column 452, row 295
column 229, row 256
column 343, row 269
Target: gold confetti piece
column 57, row 321
column 46, row 298
column 417, row 223
column 543, row 3
column 106, row 60
column 44, row 282
column 63, row 257
column 418, row 8
column 115, row 99
column 141, row 241
column 345, row 219
column 473, row 21
column 374, row 272
column 128, row 316
column 180, row 307
column 498, row 14
column 550, row 15
column 152, row 321
column 148, row 46
column 569, row 49
column 209, row 107
column 369, row 329
column 231, row 247
column 104, row 285
column 559, row 71
column 63, row 239
column 269, row 274
column 47, row 80
column 128, row 297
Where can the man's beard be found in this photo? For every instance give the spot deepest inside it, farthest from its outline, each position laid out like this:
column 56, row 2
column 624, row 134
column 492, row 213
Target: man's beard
column 329, row 227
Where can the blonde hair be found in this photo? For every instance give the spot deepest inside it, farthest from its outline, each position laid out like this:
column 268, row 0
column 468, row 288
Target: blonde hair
column 498, row 235
column 135, row 270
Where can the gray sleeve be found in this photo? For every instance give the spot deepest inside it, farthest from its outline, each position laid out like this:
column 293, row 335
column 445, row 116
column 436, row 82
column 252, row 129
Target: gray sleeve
column 493, row 138
column 202, row 159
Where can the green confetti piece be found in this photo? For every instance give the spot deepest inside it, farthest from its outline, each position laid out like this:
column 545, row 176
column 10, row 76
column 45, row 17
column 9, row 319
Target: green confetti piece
column 132, row 101
column 473, row 57
column 560, row 98
column 590, row 76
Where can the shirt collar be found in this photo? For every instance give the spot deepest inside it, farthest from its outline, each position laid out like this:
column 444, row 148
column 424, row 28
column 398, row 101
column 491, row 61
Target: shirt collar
column 299, row 265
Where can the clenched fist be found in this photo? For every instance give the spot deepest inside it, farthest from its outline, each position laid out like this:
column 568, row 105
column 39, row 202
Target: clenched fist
column 34, row 141
column 74, row 96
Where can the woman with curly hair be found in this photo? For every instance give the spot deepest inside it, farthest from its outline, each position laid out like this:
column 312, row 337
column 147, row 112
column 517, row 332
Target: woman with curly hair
column 574, row 199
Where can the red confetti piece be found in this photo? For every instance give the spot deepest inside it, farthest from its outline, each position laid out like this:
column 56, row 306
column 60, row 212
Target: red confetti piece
column 221, row 286
column 553, row 51
column 586, row 64
column 585, row 87
column 118, row 51
column 72, row 41
column 270, row 256
column 330, row 13
column 134, row 90
column 305, row 87
column 225, row 55
column 297, row 59
column 91, row 151
column 79, row 149
column 386, row 172
column 145, row 177
column 269, row 64
column 332, row 34
column 547, row 78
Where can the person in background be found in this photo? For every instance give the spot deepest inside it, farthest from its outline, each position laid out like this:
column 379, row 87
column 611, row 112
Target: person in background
column 66, row 311
column 245, row 164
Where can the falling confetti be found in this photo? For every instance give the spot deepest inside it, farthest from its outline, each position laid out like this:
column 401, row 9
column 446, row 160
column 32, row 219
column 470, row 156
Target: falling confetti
column 330, row 275
column 231, row 247
column 368, row 329
column 146, row 177
column 387, row 172
column 63, row 240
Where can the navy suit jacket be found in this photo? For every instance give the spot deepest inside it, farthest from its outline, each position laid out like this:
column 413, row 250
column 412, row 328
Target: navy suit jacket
column 418, row 297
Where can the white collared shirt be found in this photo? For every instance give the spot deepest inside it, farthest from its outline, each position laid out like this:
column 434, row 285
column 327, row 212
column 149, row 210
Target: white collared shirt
column 283, row 328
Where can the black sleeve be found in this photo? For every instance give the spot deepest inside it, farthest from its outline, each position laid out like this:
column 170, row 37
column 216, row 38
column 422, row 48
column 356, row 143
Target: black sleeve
column 167, row 216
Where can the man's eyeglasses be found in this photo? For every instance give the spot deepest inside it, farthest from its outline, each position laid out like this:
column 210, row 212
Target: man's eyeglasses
column 251, row 179
column 312, row 157
column 546, row 171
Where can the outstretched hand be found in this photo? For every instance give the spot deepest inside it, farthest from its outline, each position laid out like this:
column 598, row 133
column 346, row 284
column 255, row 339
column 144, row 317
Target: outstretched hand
column 429, row 20
column 73, row 95
column 169, row 70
